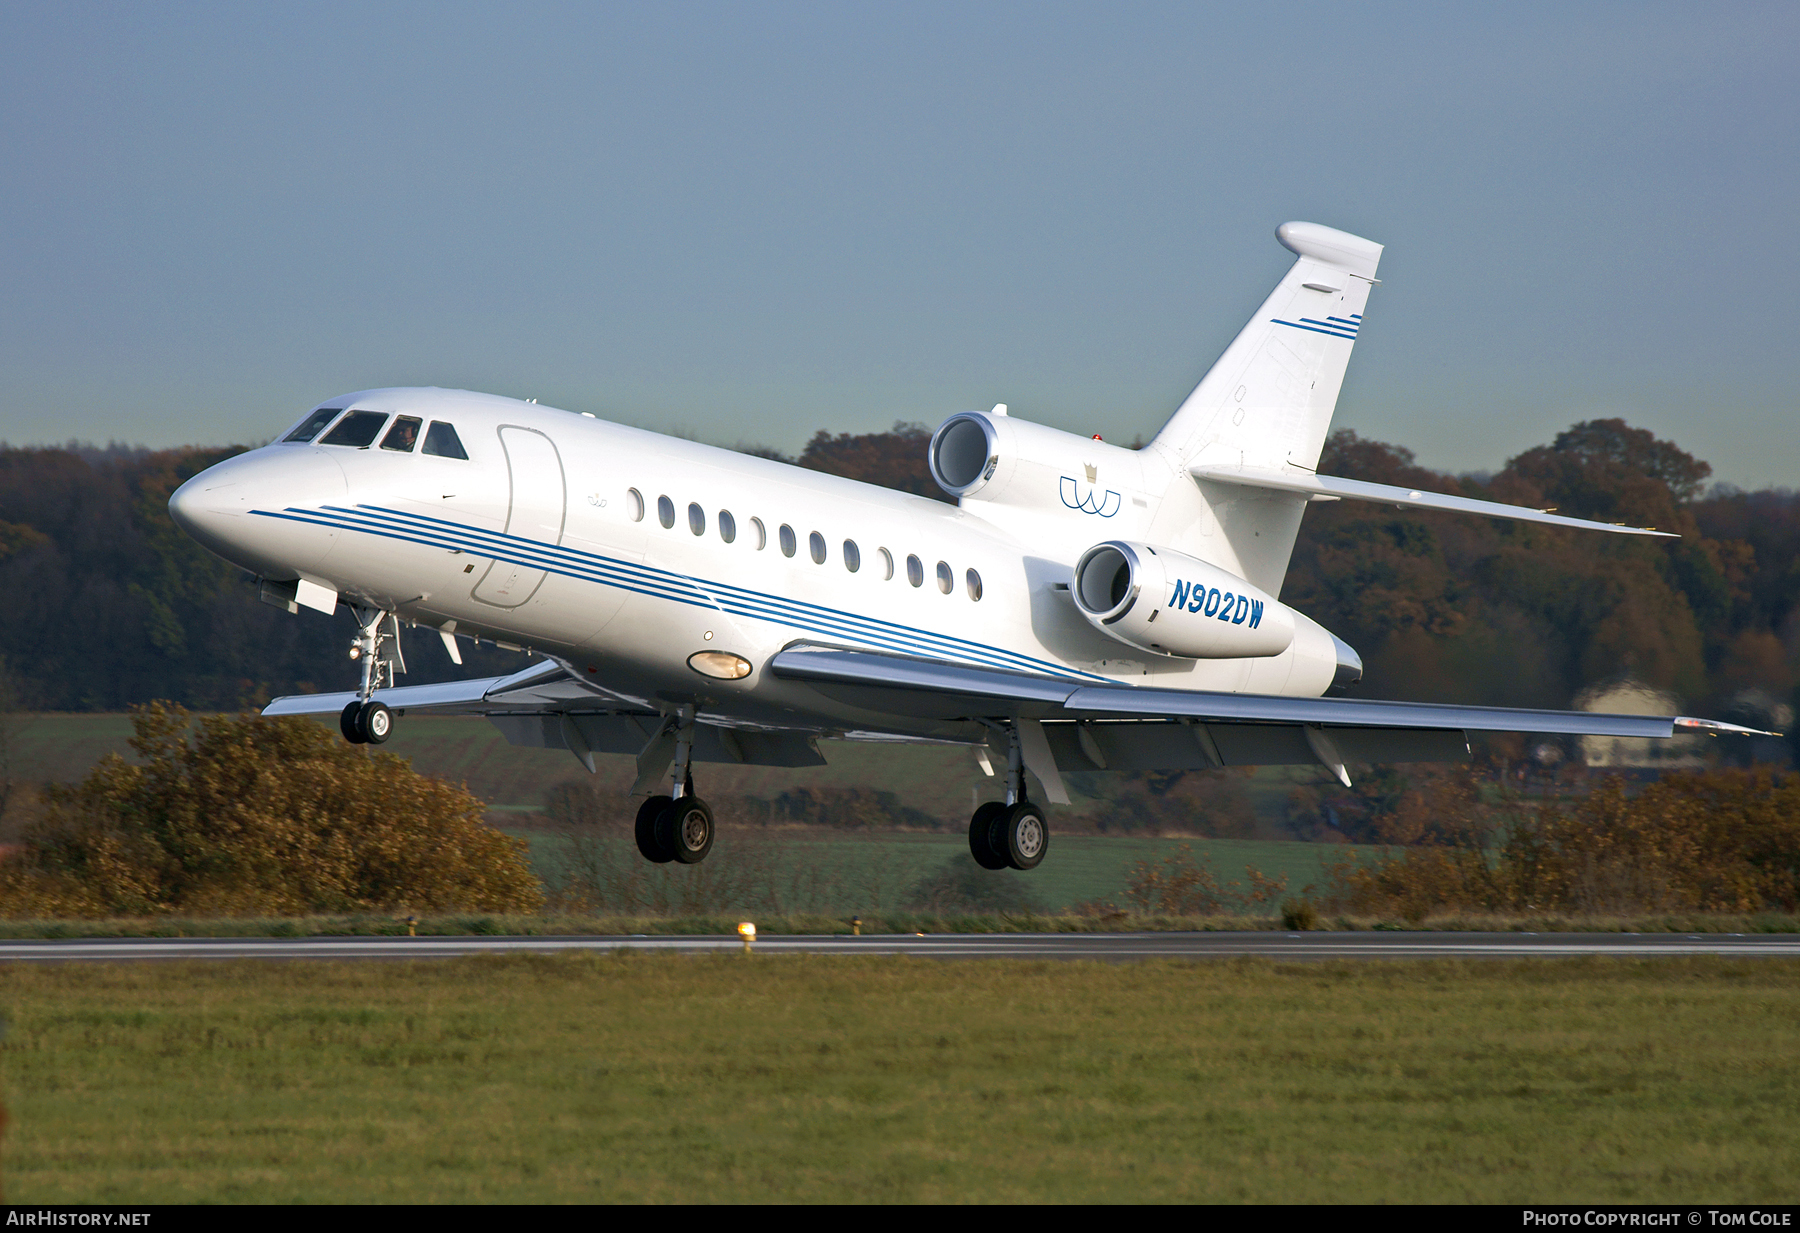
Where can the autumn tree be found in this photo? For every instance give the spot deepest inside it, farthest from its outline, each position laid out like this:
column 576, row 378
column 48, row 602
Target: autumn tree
column 894, row 459
column 246, row 816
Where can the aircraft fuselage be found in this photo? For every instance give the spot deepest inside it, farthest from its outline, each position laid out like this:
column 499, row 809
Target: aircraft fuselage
column 624, row 553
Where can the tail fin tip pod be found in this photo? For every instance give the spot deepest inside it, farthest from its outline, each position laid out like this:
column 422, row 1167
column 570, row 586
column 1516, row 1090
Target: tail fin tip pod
column 1350, row 253
column 1269, row 398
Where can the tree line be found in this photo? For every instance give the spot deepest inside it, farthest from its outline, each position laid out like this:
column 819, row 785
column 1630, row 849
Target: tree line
column 109, row 604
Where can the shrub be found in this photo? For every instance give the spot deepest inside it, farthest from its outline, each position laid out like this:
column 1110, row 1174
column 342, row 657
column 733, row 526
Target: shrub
column 1717, row 841
column 1299, row 915
column 252, row 816
column 1176, row 885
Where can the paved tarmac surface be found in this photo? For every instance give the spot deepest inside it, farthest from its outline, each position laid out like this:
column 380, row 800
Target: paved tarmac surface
column 1104, row 946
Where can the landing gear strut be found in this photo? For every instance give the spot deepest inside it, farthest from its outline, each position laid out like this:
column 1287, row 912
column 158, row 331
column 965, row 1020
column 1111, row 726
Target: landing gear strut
column 377, row 645
column 1011, row 833
column 679, row 827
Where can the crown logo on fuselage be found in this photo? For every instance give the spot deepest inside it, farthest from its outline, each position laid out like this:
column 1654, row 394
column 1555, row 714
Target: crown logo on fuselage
column 1092, row 502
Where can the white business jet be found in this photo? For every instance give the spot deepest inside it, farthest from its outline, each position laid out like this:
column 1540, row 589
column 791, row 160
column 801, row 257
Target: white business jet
column 1082, row 607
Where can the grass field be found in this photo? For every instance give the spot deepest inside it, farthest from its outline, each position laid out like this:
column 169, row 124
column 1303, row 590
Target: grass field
column 864, row 874
column 651, row 1077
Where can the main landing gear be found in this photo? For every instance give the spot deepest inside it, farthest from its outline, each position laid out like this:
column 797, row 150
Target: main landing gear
column 377, row 645
column 679, row 827
column 1010, row 834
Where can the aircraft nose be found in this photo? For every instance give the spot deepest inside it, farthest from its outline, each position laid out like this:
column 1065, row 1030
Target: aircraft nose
column 234, row 508
column 189, row 504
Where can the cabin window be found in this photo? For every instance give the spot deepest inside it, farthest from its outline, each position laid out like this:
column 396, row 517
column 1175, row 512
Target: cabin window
column 788, row 543
column 665, row 512
column 313, row 424
column 816, row 543
column 441, row 439
column 727, row 526
column 973, row 580
column 403, row 435
column 852, row 556
column 696, row 518
column 760, row 533
column 634, row 501
column 887, row 564
column 356, row 430
column 915, row 571
column 946, row 577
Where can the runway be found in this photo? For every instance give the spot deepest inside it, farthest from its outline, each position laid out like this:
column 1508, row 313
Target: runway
column 1114, row 947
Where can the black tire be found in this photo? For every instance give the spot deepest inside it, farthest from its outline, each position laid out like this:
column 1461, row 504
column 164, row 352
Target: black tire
column 349, row 725
column 980, row 828
column 690, row 829
column 1021, row 836
column 376, row 723
column 647, row 814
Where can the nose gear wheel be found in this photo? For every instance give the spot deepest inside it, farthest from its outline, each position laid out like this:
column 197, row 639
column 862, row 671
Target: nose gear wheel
column 366, row 723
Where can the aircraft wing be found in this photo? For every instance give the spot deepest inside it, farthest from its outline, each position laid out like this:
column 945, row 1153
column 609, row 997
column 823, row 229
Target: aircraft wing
column 1126, row 727
column 543, row 686
column 1084, row 724
column 545, row 706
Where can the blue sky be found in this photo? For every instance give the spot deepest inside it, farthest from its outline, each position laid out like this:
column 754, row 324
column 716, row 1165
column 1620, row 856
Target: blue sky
column 747, row 222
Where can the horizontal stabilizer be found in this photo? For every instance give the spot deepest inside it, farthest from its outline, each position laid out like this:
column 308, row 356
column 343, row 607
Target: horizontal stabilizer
column 1387, row 494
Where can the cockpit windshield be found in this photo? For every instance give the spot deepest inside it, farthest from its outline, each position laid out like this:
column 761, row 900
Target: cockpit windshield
column 443, row 441
column 311, row 426
column 356, row 429
column 403, row 435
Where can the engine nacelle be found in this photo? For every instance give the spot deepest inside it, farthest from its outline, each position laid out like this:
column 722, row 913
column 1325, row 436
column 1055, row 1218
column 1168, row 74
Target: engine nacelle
column 995, row 458
column 1159, row 600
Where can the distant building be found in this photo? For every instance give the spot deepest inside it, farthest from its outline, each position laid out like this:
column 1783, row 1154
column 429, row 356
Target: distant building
column 1629, row 697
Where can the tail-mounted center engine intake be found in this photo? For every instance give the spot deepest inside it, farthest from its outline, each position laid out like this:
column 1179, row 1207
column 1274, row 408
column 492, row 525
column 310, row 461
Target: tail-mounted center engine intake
column 1173, row 604
column 995, row 458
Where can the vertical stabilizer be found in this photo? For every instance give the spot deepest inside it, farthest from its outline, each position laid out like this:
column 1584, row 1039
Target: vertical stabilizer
column 1268, row 400
column 1267, row 404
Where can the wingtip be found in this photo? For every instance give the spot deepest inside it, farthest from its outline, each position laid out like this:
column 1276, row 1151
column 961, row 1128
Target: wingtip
column 1717, row 727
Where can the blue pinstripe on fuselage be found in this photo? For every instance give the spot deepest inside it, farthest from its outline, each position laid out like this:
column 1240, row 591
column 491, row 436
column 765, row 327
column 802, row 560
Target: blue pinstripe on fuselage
column 807, row 618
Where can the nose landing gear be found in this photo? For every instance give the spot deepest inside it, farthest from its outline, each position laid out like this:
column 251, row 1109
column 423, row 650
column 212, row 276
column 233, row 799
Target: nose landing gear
column 377, row 645
column 366, row 723
column 1010, row 834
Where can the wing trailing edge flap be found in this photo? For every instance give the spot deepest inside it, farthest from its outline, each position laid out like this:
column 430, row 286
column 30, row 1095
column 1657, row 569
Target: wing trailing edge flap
column 1327, row 487
column 1194, row 746
column 638, row 735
